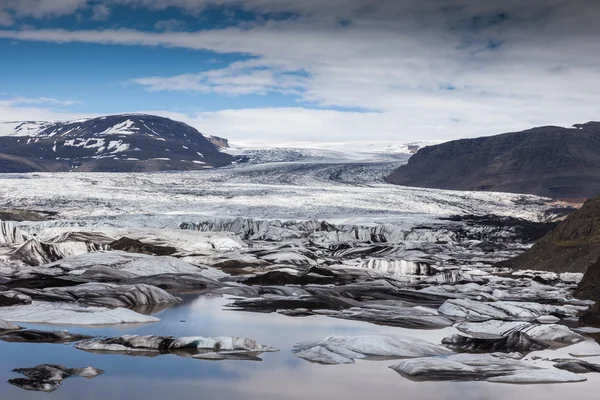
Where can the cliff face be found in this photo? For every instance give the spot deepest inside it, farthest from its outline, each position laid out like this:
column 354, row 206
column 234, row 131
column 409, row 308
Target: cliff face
column 572, row 247
column 547, row 161
column 219, row 142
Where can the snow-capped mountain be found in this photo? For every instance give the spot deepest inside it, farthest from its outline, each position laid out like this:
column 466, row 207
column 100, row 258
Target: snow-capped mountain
column 116, row 143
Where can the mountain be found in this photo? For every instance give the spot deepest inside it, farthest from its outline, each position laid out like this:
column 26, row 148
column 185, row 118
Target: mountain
column 116, row 143
column 573, row 246
column 548, row 161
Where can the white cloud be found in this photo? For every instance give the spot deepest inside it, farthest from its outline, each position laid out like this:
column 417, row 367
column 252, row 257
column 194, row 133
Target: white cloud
column 41, row 8
column 423, row 69
column 100, row 12
column 20, row 101
column 240, row 78
column 5, row 18
column 170, row 25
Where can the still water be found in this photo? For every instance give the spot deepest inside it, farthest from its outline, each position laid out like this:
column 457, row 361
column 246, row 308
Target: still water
column 279, row 376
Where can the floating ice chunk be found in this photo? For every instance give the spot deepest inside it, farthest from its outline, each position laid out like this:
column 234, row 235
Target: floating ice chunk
column 8, row 326
column 48, row 377
column 149, row 343
column 71, row 314
column 480, row 367
column 345, row 349
column 554, row 335
column 104, row 294
column 504, row 310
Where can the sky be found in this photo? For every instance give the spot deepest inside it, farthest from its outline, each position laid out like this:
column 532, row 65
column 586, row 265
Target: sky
column 289, row 71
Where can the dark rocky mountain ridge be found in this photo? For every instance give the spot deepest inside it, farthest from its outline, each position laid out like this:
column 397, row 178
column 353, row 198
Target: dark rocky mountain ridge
column 573, row 246
column 116, row 143
column 549, row 161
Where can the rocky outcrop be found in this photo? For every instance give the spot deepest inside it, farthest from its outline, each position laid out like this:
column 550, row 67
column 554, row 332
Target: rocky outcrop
column 572, row 246
column 219, row 142
column 548, row 161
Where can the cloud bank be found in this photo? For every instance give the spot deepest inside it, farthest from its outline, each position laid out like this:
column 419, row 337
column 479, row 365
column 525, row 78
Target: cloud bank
column 408, row 69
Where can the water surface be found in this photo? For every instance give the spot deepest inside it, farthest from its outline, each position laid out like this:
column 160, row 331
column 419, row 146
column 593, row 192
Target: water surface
column 279, row 376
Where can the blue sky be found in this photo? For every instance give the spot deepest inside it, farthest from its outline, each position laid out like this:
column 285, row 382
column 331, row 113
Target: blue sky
column 282, row 71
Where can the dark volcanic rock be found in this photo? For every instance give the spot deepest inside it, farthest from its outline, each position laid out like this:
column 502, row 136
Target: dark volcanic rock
column 591, row 317
column 116, row 143
column 135, row 246
column 589, row 287
column 548, row 161
column 514, row 342
column 572, row 247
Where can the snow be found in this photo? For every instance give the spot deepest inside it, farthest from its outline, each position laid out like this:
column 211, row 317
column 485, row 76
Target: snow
column 124, row 128
column 117, row 146
column 21, row 128
column 85, row 143
column 71, row 314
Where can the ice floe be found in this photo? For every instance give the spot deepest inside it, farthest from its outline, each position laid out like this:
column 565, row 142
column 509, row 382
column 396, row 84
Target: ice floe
column 345, row 349
column 142, row 345
column 71, row 314
column 48, row 377
column 480, row 367
column 503, row 310
column 553, row 335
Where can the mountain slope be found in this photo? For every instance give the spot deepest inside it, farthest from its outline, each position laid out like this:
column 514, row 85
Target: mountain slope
column 117, row 143
column 572, row 247
column 547, row 161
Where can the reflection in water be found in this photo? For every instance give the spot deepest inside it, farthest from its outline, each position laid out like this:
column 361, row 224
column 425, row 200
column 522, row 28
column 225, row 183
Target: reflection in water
column 280, row 376
column 151, row 309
